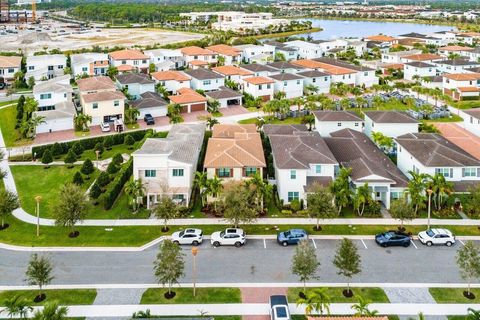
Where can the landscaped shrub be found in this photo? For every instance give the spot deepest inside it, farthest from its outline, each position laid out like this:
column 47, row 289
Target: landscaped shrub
column 295, row 205
column 117, row 159
column 372, row 209
column 77, row 179
column 57, row 150
column 99, row 147
column 95, row 191
column 47, row 158
column 70, row 158
column 108, row 142
column 103, row 179
column 87, row 167
column 129, row 141
column 445, row 213
column 112, row 168
column 117, row 185
column 77, row 148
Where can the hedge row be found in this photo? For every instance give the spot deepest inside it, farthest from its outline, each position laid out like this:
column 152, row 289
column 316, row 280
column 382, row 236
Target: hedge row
column 90, row 143
column 117, row 184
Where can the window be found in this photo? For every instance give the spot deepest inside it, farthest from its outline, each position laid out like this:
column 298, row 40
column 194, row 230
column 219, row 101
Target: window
column 284, row 83
column 31, row 67
column 293, row 174
column 318, row 168
column 415, row 169
column 84, row 69
column 50, row 68
column 224, row 172
column 314, row 80
column 356, row 124
column 250, row 171
column 339, row 124
column 298, row 81
column 124, row 62
column 45, row 96
column 446, row 172
column 268, row 86
column 365, row 74
column 11, row 70
column 95, row 105
column 144, row 61
column 293, row 195
column 116, row 103
column 259, row 87
column 150, row 173
column 326, row 78
column 207, row 82
column 60, row 66
column 135, row 62
column 178, row 172
column 469, row 172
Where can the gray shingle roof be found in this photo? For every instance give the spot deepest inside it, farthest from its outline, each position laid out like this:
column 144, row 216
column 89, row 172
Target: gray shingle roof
column 473, row 112
column 285, row 76
column 284, row 65
column 337, row 116
column 149, row 100
column 420, row 64
column 128, row 78
column 257, row 67
column 313, row 74
column 203, row 74
column 223, row 93
column 390, row 117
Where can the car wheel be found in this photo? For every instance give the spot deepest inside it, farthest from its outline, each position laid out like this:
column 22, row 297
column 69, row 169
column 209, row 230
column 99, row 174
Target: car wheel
column 195, row 243
column 216, row 244
column 384, row 245
column 448, row 244
column 406, row 244
column 238, row 244
column 429, row 243
column 284, row 243
column 176, row 242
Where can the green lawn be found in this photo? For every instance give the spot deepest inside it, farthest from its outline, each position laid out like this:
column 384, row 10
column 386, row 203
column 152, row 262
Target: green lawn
column 185, row 295
column 6, row 103
column 453, row 118
column 64, row 297
column 33, row 180
column 11, row 136
column 371, row 294
column 453, row 295
column 119, row 210
column 469, row 104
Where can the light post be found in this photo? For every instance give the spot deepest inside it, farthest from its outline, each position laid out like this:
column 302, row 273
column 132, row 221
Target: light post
column 429, row 191
column 97, row 152
column 194, row 276
column 38, row 199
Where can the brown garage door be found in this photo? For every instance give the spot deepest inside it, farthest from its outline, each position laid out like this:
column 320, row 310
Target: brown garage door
column 265, row 98
column 197, row 107
column 184, row 109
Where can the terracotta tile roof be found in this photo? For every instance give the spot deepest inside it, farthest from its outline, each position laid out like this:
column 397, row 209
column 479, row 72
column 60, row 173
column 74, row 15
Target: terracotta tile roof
column 196, row 51
column 396, row 66
column 125, row 67
column 187, row 96
column 331, row 69
column 258, row 80
column 95, row 83
column 232, row 70
column 423, row 57
column 455, row 48
column 170, row 75
column 10, row 62
column 225, row 50
column 198, row 63
column 128, row 54
column 103, row 96
column 468, row 89
column 381, row 38
column 462, row 76
column 234, row 146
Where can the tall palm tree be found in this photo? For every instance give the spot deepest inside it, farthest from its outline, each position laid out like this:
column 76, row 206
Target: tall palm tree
column 361, row 308
column 174, row 113
column 51, row 311
column 377, row 102
column 213, row 106
column 473, row 314
column 135, row 189
column 361, row 197
column 200, row 181
column 131, row 115
column 317, row 301
column 28, row 127
column 340, row 188
column 214, row 187
column 82, row 120
column 261, row 189
column 311, row 89
column 416, row 188
column 161, row 90
column 309, row 120
column 440, row 187
column 299, row 102
column 16, row 307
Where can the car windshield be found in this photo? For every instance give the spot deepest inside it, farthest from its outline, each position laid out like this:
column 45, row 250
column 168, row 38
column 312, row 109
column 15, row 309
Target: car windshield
column 281, row 312
column 222, row 234
column 388, row 235
column 430, row 233
column 287, row 233
column 181, row 233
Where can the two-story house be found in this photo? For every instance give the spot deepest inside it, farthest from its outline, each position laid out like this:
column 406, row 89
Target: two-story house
column 166, row 59
column 45, row 66
column 455, row 65
column 89, row 64
column 259, row 87
column 462, row 85
column 327, row 122
column 234, row 152
column 390, row 123
column 230, row 55
column 233, row 73
column 286, row 67
column 130, row 60
column 135, row 84
column 301, row 160
column 199, row 57
column 167, row 166
column 206, row 80
column 337, row 73
column 289, row 83
column 418, row 69
column 320, row 80
column 472, row 121
column 9, row 65
column 172, row 80
column 259, row 70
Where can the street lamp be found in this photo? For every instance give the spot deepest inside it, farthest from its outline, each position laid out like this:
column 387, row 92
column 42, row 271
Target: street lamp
column 97, row 152
column 194, row 276
column 429, row 191
column 38, row 199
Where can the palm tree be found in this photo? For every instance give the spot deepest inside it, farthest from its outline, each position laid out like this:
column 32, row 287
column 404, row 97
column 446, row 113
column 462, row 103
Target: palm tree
column 279, row 95
column 361, row 101
column 309, row 120
column 161, row 90
column 473, row 314
column 362, row 197
column 82, row 120
column 28, row 127
column 260, row 188
column 311, row 89
column 340, row 188
column 345, row 103
column 213, row 106
column 17, row 307
column 214, row 187
column 317, row 300
column 51, row 311
column 200, row 181
column 299, row 102
column 416, row 189
column 131, row 115
column 361, row 308
column 440, row 188
column 174, row 113
column 211, row 122
column 377, row 102
column 135, row 189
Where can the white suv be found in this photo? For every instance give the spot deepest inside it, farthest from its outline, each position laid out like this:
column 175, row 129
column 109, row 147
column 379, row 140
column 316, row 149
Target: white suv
column 105, row 126
column 436, row 236
column 228, row 237
column 188, row 236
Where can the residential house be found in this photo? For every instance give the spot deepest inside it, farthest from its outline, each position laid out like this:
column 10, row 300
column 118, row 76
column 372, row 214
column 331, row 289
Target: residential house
column 306, row 50
column 474, row 55
column 55, row 104
column 462, row 85
column 455, row 65
column 432, row 154
column 89, row 64
column 389, row 123
column 130, row 60
column 318, row 79
column 396, row 56
column 233, row 73
column 167, row 166
column 230, row 55
column 338, row 74
column 368, row 164
column 418, row 69
column 290, row 84
column 454, row 50
column 283, row 51
column 286, row 67
column 150, row 103
column 226, row 97
column 190, row 100
column 301, row 159
column 359, row 47
column 206, row 80
column 472, row 121
column 422, row 57
column 101, row 100
column 252, row 53
column 427, row 39
column 135, row 84
column 9, row 65
column 166, row 59
column 327, row 122
column 172, row 80
column 199, row 57
column 259, row 87
column 259, row 70
column 364, row 76
column 45, row 66
column 382, row 38
column 234, row 152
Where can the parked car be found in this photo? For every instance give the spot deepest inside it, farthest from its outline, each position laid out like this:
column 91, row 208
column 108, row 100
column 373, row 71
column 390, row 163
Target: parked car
column 188, row 236
column 293, row 236
column 436, row 236
column 393, row 238
column 148, row 118
column 105, row 126
column 228, row 237
column 279, row 308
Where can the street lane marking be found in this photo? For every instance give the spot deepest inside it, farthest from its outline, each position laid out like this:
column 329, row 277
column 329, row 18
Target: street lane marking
column 463, row 243
column 414, row 244
column 314, row 244
column 364, row 244
column 264, row 244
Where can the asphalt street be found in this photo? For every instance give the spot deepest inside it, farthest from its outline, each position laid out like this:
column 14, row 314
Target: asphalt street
column 259, row 261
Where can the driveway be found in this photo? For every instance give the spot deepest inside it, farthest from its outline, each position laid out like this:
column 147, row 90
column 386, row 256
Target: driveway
column 461, row 137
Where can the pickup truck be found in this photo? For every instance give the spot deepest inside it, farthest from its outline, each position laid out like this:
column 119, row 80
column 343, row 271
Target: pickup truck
column 279, row 308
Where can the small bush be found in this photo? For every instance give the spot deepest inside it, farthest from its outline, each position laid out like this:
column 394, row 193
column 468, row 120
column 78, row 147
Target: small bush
column 103, row 179
column 95, row 191
column 47, row 158
column 77, row 179
column 117, row 159
column 70, row 158
column 372, row 209
column 129, row 141
column 57, row 150
column 87, row 167
column 117, row 185
column 112, row 168
column 108, row 142
column 77, row 148
column 287, row 212
column 99, row 147
column 295, row 205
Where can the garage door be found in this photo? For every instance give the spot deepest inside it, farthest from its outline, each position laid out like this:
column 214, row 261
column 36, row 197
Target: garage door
column 265, row 98
column 198, row 107
column 184, row 109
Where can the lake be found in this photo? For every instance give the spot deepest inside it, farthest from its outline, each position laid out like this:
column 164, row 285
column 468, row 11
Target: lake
column 333, row 29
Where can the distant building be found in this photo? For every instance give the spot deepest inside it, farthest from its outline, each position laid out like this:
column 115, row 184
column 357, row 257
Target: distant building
column 29, row 2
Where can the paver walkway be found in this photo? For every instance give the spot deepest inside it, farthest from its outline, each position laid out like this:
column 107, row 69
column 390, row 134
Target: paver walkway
column 412, row 295
column 259, row 295
column 460, row 137
column 127, row 296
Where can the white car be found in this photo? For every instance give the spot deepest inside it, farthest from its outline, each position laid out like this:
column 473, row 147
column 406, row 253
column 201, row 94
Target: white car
column 188, row 236
column 228, row 237
column 105, row 126
column 436, row 236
